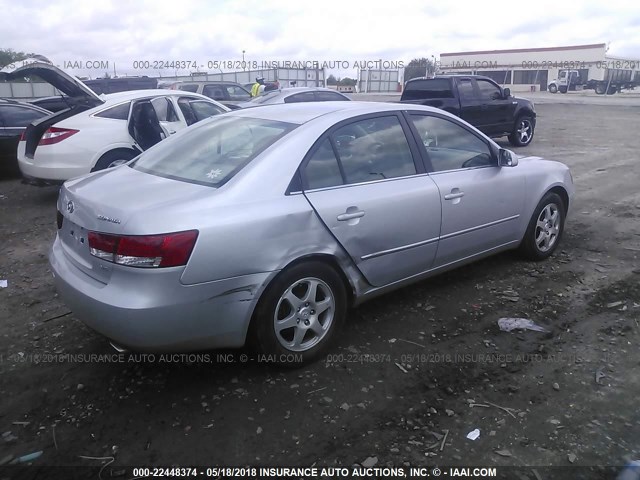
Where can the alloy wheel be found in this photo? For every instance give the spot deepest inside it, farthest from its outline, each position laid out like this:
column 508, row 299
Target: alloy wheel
column 547, row 227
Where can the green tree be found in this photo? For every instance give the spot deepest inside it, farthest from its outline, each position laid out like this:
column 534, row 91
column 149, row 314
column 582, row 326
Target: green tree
column 348, row 82
column 8, row 56
column 331, row 80
column 419, row 67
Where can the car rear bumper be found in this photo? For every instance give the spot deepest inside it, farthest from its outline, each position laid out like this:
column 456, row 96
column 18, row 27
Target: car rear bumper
column 149, row 310
column 48, row 172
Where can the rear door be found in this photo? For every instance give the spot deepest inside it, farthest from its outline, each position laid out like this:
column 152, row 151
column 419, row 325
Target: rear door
column 364, row 180
column 471, row 108
column 481, row 202
column 167, row 116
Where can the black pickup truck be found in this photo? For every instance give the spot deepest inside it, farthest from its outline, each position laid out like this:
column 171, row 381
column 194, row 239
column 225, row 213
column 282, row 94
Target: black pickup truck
column 478, row 100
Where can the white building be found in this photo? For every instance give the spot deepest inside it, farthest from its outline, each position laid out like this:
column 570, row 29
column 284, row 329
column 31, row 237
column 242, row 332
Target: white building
column 531, row 69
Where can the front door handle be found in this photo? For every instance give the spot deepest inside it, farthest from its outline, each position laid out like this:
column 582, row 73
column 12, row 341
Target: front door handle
column 343, row 217
column 453, row 196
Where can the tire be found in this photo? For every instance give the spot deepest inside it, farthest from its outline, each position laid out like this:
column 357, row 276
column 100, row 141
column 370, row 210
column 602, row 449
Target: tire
column 600, row 89
column 113, row 159
column 285, row 299
column 563, row 89
column 612, row 90
column 553, row 88
column 545, row 228
column 523, row 131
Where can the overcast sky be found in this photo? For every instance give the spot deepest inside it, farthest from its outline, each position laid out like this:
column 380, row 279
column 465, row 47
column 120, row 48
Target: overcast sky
column 327, row 30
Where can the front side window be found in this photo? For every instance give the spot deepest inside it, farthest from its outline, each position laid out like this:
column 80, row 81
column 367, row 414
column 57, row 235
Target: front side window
column 214, row 151
column 489, row 91
column 449, row 146
column 213, row 91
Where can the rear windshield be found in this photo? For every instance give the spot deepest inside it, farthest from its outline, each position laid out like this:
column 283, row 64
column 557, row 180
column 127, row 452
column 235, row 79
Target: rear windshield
column 428, row 88
column 211, row 153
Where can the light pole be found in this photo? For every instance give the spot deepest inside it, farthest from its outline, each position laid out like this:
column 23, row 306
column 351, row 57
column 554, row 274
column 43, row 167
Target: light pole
column 243, row 64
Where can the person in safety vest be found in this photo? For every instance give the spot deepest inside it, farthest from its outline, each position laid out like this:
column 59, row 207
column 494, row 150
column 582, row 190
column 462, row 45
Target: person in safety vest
column 257, row 87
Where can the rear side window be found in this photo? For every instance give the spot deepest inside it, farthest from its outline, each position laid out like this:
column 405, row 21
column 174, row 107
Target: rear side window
column 119, row 112
column 203, row 109
column 300, row 97
column 330, row 97
column 19, row 116
column 323, row 170
column 465, row 89
column 427, row 88
column 214, row 91
column 367, row 150
column 164, row 109
column 214, row 151
column 238, row 93
column 189, row 88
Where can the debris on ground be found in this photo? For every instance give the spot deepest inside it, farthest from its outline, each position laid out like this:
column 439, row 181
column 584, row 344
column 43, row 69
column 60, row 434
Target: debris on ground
column 474, row 434
column 503, row 453
column 370, row 462
column 4, row 283
column 509, row 324
column 600, row 375
column 27, row 458
column 572, row 458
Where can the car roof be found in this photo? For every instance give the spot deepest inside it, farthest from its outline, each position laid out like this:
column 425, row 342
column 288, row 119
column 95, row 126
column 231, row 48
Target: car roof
column 206, row 82
column 153, row 92
column 303, row 112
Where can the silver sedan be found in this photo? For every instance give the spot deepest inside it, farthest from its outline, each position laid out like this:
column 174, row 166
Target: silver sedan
column 271, row 222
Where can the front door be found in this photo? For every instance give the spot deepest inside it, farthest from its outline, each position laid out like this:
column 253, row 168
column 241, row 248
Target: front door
column 481, row 202
column 496, row 111
column 362, row 181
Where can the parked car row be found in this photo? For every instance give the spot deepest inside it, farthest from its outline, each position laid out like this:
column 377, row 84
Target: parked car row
column 96, row 131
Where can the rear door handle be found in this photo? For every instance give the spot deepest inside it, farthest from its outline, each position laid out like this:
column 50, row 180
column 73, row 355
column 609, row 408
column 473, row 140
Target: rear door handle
column 453, row 196
column 343, row 217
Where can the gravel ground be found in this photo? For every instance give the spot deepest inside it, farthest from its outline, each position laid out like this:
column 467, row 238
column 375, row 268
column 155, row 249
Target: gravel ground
column 413, row 373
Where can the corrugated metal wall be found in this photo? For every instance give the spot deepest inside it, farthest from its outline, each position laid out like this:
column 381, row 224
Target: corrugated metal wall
column 378, row 81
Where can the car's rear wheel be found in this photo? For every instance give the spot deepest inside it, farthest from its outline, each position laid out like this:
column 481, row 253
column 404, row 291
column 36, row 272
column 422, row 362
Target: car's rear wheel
column 545, row 228
column 114, row 158
column 523, row 131
column 600, row 89
column 299, row 313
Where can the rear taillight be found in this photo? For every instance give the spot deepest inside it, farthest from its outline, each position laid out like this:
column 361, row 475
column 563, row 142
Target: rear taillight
column 23, row 136
column 56, row 134
column 167, row 250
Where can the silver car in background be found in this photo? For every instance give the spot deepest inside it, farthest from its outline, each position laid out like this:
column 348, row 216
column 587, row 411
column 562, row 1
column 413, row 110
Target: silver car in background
column 296, row 95
column 271, row 222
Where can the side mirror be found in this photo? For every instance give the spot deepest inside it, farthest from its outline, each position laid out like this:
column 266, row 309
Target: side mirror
column 506, row 92
column 507, row 158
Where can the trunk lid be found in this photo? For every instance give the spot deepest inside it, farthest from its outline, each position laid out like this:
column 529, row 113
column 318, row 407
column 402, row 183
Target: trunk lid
column 121, row 201
column 66, row 83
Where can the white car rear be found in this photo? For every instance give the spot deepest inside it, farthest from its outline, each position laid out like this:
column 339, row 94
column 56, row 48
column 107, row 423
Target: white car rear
column 99, row 132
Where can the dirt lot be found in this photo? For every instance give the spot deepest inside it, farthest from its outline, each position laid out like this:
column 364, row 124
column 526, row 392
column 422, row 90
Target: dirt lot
column 409, row 368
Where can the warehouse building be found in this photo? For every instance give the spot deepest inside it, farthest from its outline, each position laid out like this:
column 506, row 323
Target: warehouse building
column 531, row 69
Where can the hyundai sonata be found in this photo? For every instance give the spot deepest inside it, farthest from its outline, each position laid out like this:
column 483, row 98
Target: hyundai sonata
column 271, row 222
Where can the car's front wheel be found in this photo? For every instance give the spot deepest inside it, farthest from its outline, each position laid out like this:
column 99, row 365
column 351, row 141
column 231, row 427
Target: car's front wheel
column 545, row 228
column 523, row 131
column 553, row 88
column 299, row 313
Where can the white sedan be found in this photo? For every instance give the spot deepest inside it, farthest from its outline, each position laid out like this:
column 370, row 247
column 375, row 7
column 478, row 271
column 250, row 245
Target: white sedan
column 99, row 132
